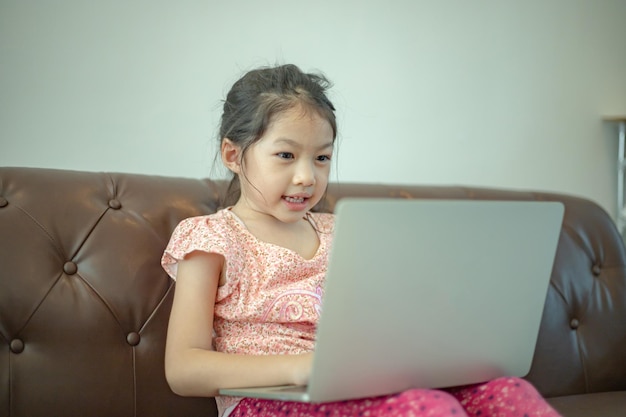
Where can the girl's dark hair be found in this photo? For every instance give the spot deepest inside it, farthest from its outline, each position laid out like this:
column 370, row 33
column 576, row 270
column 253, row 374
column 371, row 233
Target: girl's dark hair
column 260, row 95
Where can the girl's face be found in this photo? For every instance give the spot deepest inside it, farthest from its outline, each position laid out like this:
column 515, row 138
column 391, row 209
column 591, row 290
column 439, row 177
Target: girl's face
column 285, row 173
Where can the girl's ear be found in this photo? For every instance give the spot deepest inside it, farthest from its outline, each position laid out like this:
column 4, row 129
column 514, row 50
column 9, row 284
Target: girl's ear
column 231, row 155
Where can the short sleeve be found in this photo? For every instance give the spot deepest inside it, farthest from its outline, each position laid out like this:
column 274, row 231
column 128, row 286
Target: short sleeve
column 209, row 234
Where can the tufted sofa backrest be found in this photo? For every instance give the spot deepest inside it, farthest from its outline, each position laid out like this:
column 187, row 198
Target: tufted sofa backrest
column 84, row 302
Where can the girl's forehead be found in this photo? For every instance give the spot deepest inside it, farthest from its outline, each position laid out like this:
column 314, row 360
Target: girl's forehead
column 298, row 128
column 294, row 121
column 298, row 115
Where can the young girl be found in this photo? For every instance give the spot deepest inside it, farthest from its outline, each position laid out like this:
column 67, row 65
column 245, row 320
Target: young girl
column 250, row 277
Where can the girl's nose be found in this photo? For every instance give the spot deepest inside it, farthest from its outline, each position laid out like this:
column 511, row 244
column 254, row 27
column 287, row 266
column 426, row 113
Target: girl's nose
column 304, row 175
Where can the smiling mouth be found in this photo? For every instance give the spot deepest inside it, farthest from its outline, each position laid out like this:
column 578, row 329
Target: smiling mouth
column 297, row 200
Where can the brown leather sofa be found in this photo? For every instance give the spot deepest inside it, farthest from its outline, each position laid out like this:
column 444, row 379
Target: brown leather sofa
column 84, row 302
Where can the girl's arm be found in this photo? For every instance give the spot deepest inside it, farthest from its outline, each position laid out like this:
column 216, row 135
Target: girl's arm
column 192, row 368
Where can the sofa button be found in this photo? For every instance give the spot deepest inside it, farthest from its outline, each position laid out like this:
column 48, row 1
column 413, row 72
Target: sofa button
column 133, row 338
column 70, row 268
column 3, row 202
column 16, row 346
column 596, row 270
column 574, row 323
column 115, row 204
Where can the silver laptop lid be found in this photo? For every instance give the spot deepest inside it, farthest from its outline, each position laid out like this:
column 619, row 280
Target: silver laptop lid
column 432, row 293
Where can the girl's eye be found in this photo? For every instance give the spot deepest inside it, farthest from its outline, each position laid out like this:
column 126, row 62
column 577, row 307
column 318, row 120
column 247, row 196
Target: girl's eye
column 323, row 158
column 285, row 155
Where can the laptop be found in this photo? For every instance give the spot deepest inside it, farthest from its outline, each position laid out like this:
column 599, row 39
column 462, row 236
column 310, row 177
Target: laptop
column 428, row 294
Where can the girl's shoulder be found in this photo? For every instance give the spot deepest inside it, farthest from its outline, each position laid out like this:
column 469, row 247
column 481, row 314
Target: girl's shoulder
column 206, row 228
column 202, row 225
column 211, row 233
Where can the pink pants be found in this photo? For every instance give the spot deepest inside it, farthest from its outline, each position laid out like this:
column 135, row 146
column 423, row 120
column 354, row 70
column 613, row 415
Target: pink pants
column 503, row 397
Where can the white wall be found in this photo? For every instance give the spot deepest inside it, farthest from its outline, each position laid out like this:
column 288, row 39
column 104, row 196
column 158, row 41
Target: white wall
column 499, row 93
